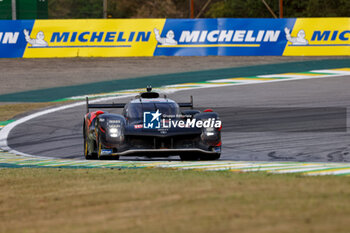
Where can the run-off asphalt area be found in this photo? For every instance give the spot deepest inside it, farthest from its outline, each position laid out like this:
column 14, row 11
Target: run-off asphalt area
column 60, row 134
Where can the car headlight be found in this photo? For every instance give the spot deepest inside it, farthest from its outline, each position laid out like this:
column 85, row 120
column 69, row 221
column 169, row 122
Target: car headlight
column 114, row 132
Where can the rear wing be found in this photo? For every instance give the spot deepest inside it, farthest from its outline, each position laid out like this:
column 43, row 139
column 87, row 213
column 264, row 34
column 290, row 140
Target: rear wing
column 122, row 105
column 113, row 105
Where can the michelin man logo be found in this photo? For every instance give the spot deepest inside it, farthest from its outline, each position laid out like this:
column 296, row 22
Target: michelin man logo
column 298, row 40
column 151, row 120
column 38, row 41
column 168, row 40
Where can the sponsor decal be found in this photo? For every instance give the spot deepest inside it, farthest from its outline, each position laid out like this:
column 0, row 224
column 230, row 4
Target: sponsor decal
column 138, row 126
column 111, row 38
column 222, row 37
column 12, row 40
column 87, row 38
column 106, row 151
column 331, row 35
column 168, row 40
column 153, row 120
column 192, row 123
column 318, row 37
column 215, row 36
column 113, row 121
column 9, row 37
column 38, row 41
column 174, row 37
column 298, row 40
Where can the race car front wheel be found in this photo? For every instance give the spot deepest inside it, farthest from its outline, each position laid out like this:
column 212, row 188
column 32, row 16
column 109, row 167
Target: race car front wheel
column 87, row 153
column 99, row 149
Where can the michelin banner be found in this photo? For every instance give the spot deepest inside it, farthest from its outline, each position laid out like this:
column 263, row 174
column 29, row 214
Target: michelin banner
column 175, row 37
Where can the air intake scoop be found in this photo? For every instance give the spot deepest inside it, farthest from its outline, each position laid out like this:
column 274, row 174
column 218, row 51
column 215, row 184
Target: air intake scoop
column 149, row 95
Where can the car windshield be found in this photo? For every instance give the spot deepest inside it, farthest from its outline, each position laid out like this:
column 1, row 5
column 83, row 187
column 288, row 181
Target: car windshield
column 136, row 110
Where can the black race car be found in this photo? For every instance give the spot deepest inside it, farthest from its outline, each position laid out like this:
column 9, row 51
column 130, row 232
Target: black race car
column 154, row 127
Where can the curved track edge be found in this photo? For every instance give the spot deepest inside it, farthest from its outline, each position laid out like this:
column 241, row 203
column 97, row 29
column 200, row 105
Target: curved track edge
column 12, row 158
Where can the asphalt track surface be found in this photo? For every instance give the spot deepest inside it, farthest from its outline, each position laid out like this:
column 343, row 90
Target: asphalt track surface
column 19, row 75
column 59, row 134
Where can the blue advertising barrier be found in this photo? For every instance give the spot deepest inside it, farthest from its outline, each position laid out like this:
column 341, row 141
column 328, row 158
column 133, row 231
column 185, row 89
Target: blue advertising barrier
column 175, row 37
column 225, row 37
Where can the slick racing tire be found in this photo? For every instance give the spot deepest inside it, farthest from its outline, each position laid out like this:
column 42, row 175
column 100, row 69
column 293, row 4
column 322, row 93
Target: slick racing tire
column 88, row 154
column 99, row 149
column 86, row 151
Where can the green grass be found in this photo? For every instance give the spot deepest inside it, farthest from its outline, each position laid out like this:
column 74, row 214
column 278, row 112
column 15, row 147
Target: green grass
column 156, row 200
